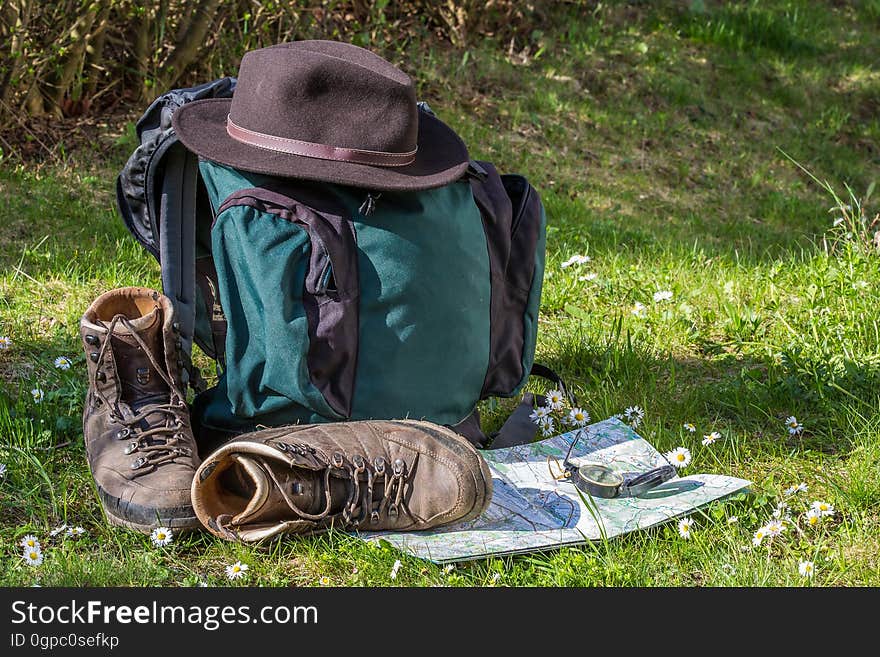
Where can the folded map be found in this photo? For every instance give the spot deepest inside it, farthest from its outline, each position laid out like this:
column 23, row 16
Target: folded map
column 531, row 510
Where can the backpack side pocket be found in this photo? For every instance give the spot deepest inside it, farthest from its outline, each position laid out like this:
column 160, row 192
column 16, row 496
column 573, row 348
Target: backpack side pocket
column 513, row 220
column 298, row 268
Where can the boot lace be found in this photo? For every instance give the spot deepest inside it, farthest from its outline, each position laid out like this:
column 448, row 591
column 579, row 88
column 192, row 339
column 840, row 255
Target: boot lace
column 161, row 443
column 367, row 501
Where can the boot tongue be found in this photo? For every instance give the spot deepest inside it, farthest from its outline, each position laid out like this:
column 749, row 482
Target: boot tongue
column 304, row 487
column 141, row 383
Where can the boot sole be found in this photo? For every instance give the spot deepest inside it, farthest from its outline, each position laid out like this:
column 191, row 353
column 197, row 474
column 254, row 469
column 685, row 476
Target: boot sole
column 144, row 519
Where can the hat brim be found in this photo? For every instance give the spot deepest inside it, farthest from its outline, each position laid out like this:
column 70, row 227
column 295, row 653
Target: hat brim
column 441, row 158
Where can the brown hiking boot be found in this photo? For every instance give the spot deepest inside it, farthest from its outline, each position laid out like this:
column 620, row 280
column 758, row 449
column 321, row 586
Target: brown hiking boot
column 136, row 425
column 372, row 475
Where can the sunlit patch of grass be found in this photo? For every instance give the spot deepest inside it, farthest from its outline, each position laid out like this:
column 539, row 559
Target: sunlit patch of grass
column 653, row 133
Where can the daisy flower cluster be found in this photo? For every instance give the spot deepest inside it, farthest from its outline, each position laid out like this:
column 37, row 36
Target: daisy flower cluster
column 555, row 414
column 576, row 259
column 68, row 531
column 32, row 551
column 32, row 548
column 632, row 415
column 785, row 521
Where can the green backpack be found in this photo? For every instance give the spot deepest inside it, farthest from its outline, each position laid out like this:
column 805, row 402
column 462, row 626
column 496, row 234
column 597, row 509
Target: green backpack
column 324, row 303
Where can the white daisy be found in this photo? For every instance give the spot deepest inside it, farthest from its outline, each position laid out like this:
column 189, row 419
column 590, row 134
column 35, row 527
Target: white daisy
column 684, row 527
column 539, row 413
column 662, row 295
column 63, row 363
column 448, row 568
column 38, row 395
column 781, row 511
column 759, row 536
column 689, row 427
column 732, row 520
column 588, row 277
column 775, row 527
column 634, row 415
column 496, row 578
column 639, row 310
column 30, row 542
column 58, row 530
column 794, row 427
column 236, row 570
column 324, row 581
column 806, row 569
column 546, row 425
column 33, row 556
column 813, row 517
column 575, row 260
column 5, row 342
column 680, row 457
column 395, row 568
column 710, row 438
column 824, row 508
column 76, row 532
column 161, row 536
column 555, row 400
column 578, row 417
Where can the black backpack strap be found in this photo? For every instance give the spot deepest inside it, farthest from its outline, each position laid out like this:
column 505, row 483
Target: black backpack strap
column 519, row 428
column 177, row 241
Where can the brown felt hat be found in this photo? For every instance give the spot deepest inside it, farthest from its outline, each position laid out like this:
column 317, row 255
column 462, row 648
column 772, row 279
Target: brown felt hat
column 327, row 111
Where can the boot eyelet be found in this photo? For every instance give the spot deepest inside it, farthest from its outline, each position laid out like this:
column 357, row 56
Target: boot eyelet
column 93, row 356
column 379, row 464
column 131, row 448
column 100, row 376
column 282, row 447
column 398, row 466
column 123, row 433
column 359, row 462
column 338, row 460
column 392, row 510
column 138, row 463
column 374, row 517
column 92, row 340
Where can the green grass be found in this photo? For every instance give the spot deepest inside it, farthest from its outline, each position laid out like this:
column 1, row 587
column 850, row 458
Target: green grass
column 656, row 137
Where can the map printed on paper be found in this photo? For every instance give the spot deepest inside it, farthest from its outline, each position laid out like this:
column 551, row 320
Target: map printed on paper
column 530, row 510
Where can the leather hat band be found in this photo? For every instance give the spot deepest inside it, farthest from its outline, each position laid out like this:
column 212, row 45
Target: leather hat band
column 317, row 151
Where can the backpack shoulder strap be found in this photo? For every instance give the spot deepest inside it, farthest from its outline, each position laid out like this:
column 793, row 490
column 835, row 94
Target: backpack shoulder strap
column 157, row 195
column 177, row 238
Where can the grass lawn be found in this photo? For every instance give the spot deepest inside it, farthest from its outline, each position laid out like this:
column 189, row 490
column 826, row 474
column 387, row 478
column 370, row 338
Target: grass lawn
column 656, row 135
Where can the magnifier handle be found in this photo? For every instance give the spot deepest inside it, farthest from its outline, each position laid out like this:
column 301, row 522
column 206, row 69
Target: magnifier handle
column 647, row 480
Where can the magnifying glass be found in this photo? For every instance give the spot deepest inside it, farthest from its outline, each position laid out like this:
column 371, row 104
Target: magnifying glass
column 599, row 480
